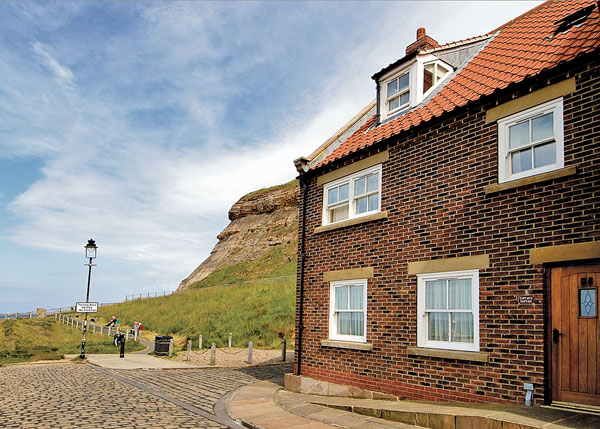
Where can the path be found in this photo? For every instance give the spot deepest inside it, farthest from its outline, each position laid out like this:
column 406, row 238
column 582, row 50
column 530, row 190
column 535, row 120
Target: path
column 70, row 395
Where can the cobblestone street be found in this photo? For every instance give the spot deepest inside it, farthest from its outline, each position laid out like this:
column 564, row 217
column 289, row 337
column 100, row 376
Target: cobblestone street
column 69, row 395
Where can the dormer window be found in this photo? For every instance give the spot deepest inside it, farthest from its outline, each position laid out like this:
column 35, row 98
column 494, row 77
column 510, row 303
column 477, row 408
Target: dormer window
column 406, row 87
column 398, row 93
column 433, row 74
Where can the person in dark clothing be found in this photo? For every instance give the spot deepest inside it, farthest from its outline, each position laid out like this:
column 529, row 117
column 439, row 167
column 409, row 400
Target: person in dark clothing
column 112, row 322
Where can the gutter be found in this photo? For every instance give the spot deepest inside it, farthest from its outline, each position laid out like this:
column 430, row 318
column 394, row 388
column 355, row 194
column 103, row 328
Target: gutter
column 304, row 188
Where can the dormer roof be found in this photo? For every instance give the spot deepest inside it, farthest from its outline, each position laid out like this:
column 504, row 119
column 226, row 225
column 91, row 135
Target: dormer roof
column 523, row 47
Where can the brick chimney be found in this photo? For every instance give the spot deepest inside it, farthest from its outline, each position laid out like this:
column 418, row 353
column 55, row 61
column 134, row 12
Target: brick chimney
column 423, row 42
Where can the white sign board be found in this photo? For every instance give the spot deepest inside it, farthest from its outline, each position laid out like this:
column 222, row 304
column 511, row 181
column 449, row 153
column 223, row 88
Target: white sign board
column 86, row 307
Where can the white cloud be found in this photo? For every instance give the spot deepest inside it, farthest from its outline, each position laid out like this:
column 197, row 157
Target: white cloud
column 62, row 73
column 144, row 154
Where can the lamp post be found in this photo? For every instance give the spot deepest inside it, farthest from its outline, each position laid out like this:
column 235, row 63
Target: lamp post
column 90, row 252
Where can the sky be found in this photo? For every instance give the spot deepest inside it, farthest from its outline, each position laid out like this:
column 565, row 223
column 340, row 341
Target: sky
column 140, row 123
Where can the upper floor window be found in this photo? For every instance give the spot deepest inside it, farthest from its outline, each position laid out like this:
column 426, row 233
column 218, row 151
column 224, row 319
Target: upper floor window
column 433, row 74
column 406, row 87
column 352, row 196
column 398, row 93
column 448, row 310
column 531, row 142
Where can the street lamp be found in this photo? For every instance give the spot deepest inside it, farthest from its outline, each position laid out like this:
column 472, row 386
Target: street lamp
column 90, row 252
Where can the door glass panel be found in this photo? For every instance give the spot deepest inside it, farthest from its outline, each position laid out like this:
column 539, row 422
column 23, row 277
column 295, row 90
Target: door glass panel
column 587, row 302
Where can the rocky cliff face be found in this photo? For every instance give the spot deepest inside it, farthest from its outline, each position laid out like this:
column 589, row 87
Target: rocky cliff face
column 259, row 221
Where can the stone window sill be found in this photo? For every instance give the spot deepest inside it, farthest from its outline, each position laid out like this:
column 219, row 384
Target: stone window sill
column 449, row 354
column 347, row 345
column 349, row 222
column 498, row 187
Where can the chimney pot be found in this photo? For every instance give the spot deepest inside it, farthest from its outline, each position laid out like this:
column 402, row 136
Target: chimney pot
column 420, row 33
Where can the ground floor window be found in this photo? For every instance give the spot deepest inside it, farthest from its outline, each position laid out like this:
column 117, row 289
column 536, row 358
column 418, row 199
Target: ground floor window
column 448, row 310
column 348, row 310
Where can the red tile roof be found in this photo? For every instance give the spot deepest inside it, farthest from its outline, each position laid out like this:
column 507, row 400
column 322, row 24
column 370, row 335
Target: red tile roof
column 523, row 47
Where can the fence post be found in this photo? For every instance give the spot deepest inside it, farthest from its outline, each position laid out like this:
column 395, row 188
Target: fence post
column 189, row 351
column 250, row 352
column 94, row 328
column 171, row 347
column 283, row 351
column 109, row 329
column 199, row 342
column 213, row 354
column 101, row 329
column 126, row 334
column 136, row 332
column 229, row 340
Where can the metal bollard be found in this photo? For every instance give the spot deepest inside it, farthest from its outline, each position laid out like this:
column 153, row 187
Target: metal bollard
column 188, row 356
column 171, row 347
column 213, row 354
column 229, row 340
column 250, row 352
column 199, row 342
column 283, row 351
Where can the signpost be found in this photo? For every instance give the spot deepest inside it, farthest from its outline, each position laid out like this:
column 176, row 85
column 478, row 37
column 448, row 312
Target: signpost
column 86, row 307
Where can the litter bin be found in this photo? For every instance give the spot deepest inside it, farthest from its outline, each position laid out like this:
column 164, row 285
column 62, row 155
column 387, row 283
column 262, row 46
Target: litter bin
column 161, row 344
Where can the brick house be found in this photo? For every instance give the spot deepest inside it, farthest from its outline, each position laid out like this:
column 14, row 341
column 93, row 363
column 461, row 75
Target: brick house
column 450, row 246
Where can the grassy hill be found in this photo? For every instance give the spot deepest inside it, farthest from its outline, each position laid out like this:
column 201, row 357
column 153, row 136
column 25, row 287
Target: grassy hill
column 29, row 340
column 261, row 311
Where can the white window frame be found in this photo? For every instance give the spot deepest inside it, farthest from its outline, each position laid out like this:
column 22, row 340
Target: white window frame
column 437, row 65
column 398, row 94
column 350, row 179
column 415, row 71
column 333, row 335
column 504, row 165
column 422, row 332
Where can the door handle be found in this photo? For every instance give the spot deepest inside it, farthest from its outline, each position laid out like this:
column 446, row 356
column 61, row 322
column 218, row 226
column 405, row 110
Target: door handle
column 555, row 335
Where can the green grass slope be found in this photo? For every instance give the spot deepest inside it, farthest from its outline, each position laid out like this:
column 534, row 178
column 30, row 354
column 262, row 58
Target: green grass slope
column 261, row 311
column 29, row 340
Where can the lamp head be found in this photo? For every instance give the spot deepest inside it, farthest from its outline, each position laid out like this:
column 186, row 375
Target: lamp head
column 90, row 249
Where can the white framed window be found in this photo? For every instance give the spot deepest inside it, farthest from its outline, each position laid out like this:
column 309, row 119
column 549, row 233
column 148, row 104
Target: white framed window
column 352, row 196
column 448, row 310
column 433, row 74
column 531, row 142
column 397, row 93
column 348, row 310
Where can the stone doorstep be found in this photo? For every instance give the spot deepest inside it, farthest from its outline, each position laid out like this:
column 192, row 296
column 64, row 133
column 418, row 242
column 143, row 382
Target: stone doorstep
column 310, row 386
column 433, row 420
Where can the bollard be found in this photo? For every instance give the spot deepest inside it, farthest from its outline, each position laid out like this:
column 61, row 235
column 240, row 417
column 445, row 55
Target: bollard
column 199, row 342
column 283, row 351
column 171, row 347
column 122, row 355
column 188, row 356
column 213, row 354
column 250, row 352
column 229, row 340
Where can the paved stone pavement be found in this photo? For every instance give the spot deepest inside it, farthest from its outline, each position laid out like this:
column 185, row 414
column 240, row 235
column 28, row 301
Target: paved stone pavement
column 71, row 395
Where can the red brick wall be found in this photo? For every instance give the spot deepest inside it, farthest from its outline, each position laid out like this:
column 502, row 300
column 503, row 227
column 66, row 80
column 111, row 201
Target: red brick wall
column 433, row 191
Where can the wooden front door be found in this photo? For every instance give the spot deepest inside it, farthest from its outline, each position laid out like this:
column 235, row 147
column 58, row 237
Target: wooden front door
column 575, row 335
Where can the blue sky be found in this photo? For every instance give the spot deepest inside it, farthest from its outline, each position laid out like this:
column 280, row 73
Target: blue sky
column 139, row 124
